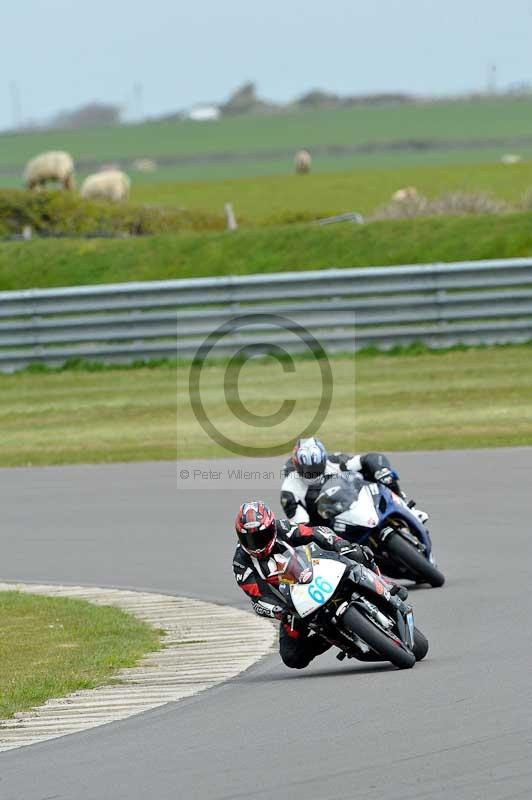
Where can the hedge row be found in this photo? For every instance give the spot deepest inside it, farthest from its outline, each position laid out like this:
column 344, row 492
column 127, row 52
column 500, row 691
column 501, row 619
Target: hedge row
column 59, row 213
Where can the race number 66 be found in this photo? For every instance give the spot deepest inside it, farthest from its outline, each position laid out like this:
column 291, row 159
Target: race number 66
column 319, row 588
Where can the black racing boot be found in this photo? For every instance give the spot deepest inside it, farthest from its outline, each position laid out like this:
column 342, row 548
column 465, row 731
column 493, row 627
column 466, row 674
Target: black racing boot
column 400, row 591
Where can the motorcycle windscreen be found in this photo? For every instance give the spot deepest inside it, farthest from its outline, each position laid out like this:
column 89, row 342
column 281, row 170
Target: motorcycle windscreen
column 294, row 565
column 326, row 575
column 338, row 494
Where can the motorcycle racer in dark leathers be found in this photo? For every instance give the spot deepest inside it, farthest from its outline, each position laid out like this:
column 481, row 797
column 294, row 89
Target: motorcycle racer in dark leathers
column 261, row 537
column 310, row 466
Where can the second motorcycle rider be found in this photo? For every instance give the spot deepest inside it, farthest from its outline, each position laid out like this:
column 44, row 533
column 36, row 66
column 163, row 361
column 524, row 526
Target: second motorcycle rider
column 310, row 466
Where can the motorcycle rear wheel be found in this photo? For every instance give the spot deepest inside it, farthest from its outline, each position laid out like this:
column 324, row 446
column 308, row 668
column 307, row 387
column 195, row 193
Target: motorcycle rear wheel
column 414, row 561
column 384, row 645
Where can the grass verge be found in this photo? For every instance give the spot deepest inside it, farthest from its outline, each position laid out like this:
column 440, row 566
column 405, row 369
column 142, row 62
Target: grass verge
column 52, row 646
column 73, row 262
column 458, row 399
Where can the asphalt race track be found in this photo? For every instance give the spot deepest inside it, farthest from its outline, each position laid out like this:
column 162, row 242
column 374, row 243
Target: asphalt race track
column 456, row 726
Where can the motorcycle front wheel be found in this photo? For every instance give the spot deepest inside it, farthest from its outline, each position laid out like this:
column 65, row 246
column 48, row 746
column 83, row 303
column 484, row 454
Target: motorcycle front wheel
column 421, row 645
column 390, row 649
column 414, row 561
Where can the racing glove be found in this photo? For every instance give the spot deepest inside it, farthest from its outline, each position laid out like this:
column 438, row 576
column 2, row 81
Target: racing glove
column 324, row 537
column 330, row 541
column 356, row 552
column 386, row 476
column 370, row 559
column 342, row 546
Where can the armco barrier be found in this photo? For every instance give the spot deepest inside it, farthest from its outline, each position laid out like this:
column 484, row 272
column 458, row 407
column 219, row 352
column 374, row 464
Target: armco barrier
column 344, row 309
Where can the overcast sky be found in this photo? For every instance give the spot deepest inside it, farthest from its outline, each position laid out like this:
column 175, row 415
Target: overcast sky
column 62, row 53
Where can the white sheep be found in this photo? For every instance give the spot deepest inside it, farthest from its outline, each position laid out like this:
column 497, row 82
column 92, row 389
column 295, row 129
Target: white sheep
column 52, row 166
column 408, row 193
column 302, row 161
column 109, row 185
column 145, row 165
column 511, row 158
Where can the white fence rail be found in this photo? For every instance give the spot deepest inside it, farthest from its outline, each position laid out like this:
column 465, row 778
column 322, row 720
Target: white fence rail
column 344, row 309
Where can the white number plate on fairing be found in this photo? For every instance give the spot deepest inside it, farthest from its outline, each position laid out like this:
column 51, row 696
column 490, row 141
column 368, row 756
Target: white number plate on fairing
column 308, row 597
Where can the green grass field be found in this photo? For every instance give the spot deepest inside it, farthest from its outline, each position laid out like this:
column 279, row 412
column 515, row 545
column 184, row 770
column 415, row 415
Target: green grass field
column 67, row 262
column 459, row 399
column 278, row 199
column 165, row 184
column 270, row 139
column 52, row 646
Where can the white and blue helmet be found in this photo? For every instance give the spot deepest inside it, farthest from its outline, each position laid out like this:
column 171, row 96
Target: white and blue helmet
column 309, row 458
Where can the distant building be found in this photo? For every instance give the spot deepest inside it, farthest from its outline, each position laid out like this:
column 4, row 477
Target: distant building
column 203, row 113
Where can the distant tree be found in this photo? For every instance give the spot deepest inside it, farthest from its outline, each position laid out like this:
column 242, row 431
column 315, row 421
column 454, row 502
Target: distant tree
column 244, row 100
column 317, row 98
column 320, row 99
column 92, row 115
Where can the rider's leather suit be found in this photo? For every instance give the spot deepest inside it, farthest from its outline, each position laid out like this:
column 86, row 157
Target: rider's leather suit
column 297, row 645
column 298, row 495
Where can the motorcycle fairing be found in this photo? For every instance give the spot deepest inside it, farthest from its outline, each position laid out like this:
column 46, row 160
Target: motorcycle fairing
column 326, row 575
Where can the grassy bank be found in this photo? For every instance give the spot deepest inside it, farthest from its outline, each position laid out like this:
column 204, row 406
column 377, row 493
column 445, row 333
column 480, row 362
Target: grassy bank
column 69, row 262
column 53, row 646
column 459, row 399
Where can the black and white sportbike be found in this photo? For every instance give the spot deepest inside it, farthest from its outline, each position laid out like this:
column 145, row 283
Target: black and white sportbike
column 349, row 606
column 371, row 514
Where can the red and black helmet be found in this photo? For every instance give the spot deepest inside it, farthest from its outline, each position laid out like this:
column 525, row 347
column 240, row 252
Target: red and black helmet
column 256, row 529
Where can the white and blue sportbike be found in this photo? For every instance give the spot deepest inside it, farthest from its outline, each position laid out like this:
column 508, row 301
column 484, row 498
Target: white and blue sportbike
column 371, row 514
column 349, row 606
